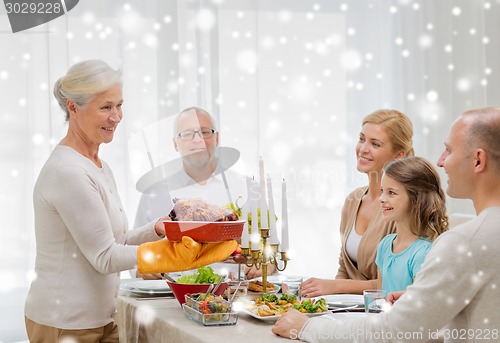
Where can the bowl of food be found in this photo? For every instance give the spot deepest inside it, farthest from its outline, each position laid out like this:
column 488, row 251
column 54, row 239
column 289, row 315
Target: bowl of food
column 197, row 283
column 180, row 290
column 202, row 221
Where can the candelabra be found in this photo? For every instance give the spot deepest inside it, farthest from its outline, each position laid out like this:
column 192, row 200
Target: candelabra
column 263, row 256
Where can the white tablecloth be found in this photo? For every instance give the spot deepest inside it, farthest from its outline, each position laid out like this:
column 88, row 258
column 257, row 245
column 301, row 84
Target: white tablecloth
column 163, row 320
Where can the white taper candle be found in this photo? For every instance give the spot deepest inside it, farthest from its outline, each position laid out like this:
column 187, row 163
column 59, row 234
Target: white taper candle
column 285, row 245
column 262, row 196
column 272, row 216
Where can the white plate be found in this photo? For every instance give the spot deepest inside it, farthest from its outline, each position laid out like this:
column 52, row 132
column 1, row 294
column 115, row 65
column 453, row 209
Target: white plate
column 338, row 300
column 278, row 279
column 150, row 287
column 272, row 319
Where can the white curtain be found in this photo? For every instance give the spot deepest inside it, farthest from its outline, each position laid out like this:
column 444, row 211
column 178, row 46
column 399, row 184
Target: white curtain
column 287, row 80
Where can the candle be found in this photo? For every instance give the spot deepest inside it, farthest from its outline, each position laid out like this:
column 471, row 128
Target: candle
column 262, row 196
column 245, row 237
column 272, row 216
column 255, row 218
column 284, row 218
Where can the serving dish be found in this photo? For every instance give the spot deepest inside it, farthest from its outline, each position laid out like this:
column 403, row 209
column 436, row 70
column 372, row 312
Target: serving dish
column 210, row 311
column 206, row 232
column 272, row 307
column 212, row 319
column 272, row 319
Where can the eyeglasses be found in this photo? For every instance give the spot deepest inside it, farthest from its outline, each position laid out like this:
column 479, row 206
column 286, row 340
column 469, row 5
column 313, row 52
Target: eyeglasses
column 189, row 134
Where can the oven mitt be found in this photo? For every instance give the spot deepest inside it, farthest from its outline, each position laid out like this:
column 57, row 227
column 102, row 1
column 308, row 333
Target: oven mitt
column 164, row 256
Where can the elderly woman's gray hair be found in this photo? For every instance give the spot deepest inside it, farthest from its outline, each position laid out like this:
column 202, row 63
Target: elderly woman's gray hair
column 84, row 80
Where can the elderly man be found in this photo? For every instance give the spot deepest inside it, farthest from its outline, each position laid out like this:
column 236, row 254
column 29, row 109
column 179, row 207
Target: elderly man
column 200, row 175
column 458, row 287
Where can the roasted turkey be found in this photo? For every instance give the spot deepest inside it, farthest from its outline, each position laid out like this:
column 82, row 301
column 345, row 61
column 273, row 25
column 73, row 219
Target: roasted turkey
column 199, row 210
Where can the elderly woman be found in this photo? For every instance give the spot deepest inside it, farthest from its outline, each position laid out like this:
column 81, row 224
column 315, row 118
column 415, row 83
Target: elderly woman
column 82, row 235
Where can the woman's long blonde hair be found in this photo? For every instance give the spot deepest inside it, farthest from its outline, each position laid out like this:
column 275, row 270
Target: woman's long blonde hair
column 397, row 126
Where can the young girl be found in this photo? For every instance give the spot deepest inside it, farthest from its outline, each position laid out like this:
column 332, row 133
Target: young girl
column 411, row 197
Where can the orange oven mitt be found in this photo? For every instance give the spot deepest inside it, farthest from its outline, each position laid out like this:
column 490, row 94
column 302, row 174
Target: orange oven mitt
column 164, row 256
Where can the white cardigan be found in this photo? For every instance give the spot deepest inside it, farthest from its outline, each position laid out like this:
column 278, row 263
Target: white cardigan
column 82, row 243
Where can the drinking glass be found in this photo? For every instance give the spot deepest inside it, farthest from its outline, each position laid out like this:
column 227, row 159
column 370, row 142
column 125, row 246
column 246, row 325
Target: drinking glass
column 374, row 300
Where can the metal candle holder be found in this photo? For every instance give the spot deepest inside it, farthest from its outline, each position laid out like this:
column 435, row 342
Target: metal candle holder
column 265, row 255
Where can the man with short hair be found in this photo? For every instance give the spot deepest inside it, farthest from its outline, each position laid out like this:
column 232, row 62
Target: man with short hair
column 202, row 174
column 199, row 175
column 458, row 287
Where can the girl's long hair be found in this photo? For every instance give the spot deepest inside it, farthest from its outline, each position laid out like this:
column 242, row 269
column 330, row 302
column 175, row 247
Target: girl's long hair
column 427, row 199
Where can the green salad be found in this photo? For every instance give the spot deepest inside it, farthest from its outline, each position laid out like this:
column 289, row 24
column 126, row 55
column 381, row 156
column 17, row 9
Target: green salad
column 204, row 275
column 312, row 306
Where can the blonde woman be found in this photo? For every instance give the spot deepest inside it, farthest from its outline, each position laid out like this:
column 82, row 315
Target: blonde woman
column 386, row 135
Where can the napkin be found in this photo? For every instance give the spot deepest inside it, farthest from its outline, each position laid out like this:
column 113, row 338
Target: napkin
column 164, row 256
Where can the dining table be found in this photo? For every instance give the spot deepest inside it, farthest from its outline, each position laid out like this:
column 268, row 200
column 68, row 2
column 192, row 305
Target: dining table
column 161, row 319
